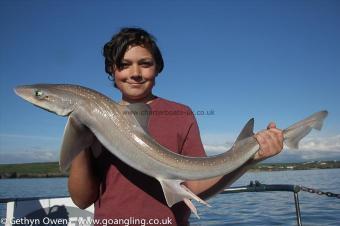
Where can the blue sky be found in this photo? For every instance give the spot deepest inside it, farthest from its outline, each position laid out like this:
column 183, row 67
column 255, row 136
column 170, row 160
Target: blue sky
column 271, row 60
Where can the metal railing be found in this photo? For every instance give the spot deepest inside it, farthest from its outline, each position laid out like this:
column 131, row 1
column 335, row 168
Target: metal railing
column 258, row 187
column 252, row 187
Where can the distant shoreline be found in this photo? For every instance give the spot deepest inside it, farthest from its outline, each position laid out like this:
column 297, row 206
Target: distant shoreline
column 31, row 170
column 51, row 169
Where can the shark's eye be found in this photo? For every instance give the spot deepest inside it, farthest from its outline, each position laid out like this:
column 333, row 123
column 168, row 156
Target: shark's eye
column 38, row 93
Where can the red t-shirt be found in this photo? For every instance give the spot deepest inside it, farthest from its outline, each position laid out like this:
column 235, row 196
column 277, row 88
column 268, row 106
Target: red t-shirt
column 129, row 194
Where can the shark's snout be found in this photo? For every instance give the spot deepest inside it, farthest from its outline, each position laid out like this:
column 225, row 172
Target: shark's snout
column 17, row 90
column 24, row 92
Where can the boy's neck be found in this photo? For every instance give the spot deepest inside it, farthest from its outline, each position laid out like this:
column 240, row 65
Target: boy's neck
column 148, row 99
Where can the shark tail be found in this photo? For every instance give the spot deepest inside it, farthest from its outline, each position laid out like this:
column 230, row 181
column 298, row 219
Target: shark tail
column 293, row 134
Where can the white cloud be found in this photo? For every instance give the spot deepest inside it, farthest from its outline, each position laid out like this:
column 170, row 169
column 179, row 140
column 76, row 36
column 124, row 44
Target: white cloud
column 321, row 143
column 216, row 149
column 218, row 139
column 310, row 147
column 28, row 156
column 24, row 136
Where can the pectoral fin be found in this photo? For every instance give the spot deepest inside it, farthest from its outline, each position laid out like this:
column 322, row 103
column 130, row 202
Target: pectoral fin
column 174, row 192
column 76, row 138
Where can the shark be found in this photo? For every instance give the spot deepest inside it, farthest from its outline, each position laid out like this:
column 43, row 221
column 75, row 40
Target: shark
column 92, row 115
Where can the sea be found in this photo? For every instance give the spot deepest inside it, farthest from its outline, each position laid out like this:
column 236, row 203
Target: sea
column 248, row 208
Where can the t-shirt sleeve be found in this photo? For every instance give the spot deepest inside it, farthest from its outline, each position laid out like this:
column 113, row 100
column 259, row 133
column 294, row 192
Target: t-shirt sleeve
column 192, row 145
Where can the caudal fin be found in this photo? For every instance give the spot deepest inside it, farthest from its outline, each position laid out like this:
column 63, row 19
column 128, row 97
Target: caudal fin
column 293, row 134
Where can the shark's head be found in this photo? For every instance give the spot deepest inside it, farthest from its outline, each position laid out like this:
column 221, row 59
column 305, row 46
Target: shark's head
column 48, row 97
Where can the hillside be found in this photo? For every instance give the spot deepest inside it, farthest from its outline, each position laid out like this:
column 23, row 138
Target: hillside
column 51, row 169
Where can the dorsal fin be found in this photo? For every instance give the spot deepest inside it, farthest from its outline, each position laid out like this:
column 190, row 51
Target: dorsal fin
column 141, row 112
column 247, row 131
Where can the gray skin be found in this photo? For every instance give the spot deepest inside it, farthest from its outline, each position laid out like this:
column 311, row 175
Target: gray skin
column 91, row 114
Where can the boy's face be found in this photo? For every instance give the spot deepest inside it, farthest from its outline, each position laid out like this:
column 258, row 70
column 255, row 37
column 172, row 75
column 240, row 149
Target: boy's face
column 137, row 75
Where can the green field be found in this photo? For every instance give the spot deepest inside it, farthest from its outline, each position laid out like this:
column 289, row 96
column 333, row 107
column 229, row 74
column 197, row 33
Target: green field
column 51, row 169
column 46, row 169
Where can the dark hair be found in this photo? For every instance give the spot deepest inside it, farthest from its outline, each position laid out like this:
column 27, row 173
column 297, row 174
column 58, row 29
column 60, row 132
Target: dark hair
column 115, row 49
